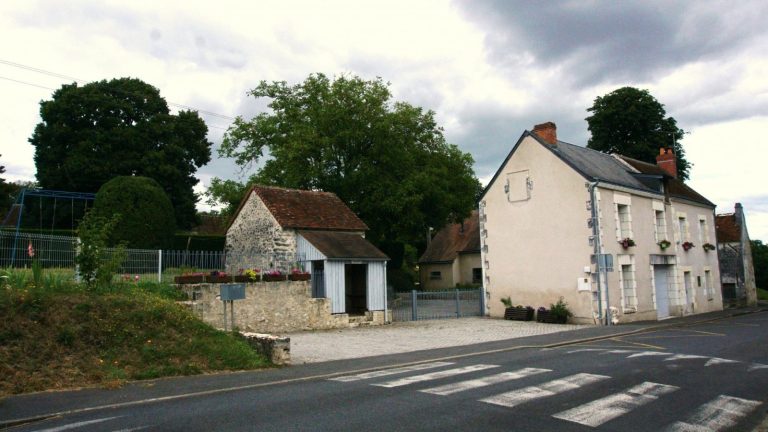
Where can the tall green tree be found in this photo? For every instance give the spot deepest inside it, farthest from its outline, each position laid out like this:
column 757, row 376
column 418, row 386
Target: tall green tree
column 389, row 161
column 104, row 129
column 760, row 261
column 6, row 194
column 632, row 122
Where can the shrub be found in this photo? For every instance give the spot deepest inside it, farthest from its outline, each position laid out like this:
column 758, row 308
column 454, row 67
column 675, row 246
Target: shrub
column 507, row 301
column 147, row 218
column 560, row 310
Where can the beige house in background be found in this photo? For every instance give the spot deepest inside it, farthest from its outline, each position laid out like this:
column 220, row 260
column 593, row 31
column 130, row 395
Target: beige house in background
column 539, row 235
column 452, row 257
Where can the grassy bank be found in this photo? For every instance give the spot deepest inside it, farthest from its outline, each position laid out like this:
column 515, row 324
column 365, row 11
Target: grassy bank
column 56, row 334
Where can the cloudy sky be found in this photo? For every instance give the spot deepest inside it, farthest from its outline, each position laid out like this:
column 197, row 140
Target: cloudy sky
column 489, row 69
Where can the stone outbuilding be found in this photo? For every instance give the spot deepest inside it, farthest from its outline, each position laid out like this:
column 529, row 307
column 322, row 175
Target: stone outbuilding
column 283, row 229
column 737, row 271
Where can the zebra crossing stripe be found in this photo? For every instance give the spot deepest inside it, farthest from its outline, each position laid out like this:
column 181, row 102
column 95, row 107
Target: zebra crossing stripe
column 517, row 397
column 608, row 408
column 649, row 353
column 721, row 413
column 685, row 357
column 387, row 372
column 435, row 375
column 717, row 361
column 484, row 381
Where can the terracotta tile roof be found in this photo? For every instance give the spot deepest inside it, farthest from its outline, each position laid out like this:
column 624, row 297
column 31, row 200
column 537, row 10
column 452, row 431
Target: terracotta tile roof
column 452, row 241
column 341, row 245
column 302, row 209
column 727, row 228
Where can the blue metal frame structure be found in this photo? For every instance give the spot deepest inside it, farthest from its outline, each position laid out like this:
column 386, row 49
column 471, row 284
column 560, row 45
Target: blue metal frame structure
column 45, row 193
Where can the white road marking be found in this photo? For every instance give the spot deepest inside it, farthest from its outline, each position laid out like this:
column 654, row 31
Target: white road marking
column 717, row 361
column 77, row 425
column 435, row 375
column 131, row 429
column 685, row 357
column 756, row 366
column 620, row 351
column 517, row 397
column 649, row 353
column 721, row 413
column 608, row 408
column 387, row 372
column 484, row 381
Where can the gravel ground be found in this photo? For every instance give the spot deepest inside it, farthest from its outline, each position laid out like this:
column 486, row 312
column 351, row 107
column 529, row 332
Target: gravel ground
column 400, row 337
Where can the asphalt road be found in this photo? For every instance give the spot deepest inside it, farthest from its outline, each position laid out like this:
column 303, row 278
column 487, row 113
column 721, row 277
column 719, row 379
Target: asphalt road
column 707, row 376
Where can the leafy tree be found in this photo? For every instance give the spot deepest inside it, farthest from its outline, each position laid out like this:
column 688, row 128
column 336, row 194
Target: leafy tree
column 6, row 194
column 632, row 122
column 760, row 261
column 146, row 214
column 228, row 193
column 103, row 129
column 388, row 161
column 96, row 266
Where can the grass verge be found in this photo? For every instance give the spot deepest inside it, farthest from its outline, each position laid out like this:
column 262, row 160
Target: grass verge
column 61, row 336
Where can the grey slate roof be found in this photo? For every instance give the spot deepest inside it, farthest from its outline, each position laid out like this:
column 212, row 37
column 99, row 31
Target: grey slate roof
column 595, row 165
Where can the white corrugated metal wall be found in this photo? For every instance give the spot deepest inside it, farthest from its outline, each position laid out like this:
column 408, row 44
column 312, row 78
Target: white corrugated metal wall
column 334, row 286
column 377, row 289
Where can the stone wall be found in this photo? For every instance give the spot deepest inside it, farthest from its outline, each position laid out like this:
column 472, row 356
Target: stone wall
column 256, row 240
column 269, row 307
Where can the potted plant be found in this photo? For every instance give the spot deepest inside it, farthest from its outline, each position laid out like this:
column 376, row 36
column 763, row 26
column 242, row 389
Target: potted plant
column 560, row 312
column 688, row 246
column 273, row 275
column 248, row 275
column 189, row 278
column 627, row 243
column 543, row 315
column 298, row 274
column 218, row 277
column 708, row 247
column 664, row 244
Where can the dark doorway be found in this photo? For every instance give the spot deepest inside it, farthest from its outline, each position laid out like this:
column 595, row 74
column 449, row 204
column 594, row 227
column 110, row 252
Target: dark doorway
column 356, row 283
column 318, row 279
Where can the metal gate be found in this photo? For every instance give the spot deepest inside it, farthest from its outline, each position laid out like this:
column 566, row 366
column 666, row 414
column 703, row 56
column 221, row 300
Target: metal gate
column 426, row 305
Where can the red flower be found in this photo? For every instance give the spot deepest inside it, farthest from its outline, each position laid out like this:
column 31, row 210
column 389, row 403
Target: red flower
column 30, row 250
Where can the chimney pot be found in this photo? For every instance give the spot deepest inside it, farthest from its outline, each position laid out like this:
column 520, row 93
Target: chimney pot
column 547, row 131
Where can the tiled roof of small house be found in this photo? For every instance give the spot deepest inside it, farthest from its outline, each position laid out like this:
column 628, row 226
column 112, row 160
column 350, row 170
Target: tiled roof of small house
column 727, row 228
column 303, row 209
column 342, row 245
column 453, row 240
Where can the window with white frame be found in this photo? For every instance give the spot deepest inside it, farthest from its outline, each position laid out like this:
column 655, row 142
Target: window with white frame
column 703, row 231
column 682, row 224
column 709, row 290
column 661, row 226
column 624, row 222
column 628, row 293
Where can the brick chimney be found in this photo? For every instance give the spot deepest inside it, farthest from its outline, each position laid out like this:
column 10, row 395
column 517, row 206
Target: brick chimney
column 667, row 161
column 546, row 131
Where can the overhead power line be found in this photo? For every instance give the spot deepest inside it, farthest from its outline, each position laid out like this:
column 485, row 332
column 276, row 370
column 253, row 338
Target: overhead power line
column 82, row 81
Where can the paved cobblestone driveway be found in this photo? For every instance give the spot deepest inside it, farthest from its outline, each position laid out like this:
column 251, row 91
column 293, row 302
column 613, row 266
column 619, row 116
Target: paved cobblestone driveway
column 319, row 346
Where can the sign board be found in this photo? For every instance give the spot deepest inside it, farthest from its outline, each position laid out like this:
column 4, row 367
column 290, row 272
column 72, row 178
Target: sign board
column 232, row 291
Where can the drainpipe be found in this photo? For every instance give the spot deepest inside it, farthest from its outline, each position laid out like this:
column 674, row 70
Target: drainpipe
column 597, row 250
column 386, row 289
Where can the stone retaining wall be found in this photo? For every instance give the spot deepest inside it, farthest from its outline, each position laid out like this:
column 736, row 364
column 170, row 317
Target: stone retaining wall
column 271, row 307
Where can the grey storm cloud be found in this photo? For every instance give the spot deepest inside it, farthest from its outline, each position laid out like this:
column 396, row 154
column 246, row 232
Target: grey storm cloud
column 627, row 40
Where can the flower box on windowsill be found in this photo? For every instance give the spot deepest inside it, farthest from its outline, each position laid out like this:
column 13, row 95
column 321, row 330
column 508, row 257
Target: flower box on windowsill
column 708, row 247
column 188, row 279
column 519, row 313
column 298, row 276
column 687, row 246
column 273, row 277
column 627, row 243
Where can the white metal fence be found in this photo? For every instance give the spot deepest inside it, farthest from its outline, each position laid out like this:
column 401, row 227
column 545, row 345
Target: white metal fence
column 58, row 252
